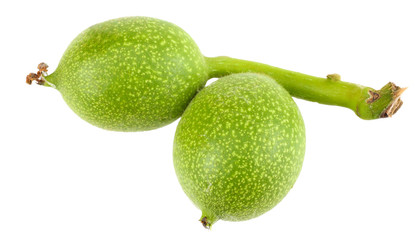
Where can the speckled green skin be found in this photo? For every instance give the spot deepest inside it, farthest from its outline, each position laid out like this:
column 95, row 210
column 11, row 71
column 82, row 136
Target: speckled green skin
column 130, row 74
column 239, row 147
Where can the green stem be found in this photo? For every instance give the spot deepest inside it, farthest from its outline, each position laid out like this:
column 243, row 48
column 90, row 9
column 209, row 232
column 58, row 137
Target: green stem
column 366, row 102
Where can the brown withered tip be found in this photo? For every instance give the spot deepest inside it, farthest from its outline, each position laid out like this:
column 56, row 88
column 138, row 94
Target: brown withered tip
column 38, row 77
column 43, row 67
column 31, row 77
column 28, row 80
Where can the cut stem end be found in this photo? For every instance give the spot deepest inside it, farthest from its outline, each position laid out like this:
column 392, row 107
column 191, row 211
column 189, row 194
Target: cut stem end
column 381, row 103
column 396, row 102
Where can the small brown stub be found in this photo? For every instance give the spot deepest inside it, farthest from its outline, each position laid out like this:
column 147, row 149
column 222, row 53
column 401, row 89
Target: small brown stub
column 205, row 222
column 43, row 67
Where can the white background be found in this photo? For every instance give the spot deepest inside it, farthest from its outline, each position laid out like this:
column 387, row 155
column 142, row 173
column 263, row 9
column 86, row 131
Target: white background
column 61, row 178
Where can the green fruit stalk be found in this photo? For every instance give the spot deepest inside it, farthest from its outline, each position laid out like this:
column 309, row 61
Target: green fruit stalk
column 239, row 147
column 139, row 73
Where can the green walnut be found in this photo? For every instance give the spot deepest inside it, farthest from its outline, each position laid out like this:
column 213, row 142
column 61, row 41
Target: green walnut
column 239, row 147
column 140, row 73
column 130, row 74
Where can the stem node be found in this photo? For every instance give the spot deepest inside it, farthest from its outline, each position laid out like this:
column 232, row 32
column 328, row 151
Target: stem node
column 333, row 77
